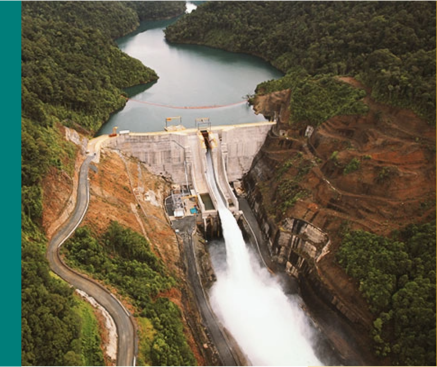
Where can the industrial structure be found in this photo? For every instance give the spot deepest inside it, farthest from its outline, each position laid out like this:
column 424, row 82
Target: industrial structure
column 180, row 155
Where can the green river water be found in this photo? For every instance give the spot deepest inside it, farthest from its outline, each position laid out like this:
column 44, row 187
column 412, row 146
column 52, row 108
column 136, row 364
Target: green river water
column 189, row 76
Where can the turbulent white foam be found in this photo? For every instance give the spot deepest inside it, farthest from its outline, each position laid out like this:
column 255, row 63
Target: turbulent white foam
column 268, row 325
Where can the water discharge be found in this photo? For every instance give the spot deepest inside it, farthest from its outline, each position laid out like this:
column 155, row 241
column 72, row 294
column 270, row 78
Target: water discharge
column 268, row 325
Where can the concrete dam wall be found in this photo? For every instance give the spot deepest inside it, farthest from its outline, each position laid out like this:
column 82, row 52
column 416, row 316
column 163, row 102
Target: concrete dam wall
column 174, row 154
column 181, row 156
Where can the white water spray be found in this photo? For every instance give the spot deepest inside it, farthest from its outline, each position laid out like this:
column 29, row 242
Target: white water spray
column 268, row 325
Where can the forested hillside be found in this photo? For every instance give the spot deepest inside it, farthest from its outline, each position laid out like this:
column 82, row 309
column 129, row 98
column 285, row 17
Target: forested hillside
column 72, row 74
column 389, row 46
column 123, row 259
column 388, row 50
column 397, row 277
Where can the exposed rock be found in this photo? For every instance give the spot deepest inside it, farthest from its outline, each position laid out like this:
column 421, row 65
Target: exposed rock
column 393, row 186
column 73, row 136
column 274, row 106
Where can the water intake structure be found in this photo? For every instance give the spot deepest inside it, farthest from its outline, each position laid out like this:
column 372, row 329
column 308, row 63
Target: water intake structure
column 268, row 325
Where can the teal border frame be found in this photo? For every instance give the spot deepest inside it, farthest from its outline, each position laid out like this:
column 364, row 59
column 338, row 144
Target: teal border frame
column 10, row 184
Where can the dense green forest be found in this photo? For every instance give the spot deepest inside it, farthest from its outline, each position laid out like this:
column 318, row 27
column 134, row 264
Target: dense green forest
column 398, row 278
column 389, row 46
column 314, row 99
column 123, row 259
column 72, row 74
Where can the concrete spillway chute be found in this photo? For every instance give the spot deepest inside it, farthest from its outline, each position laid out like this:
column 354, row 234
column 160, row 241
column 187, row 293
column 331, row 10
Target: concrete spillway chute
column 181, row 156
column 203, row 123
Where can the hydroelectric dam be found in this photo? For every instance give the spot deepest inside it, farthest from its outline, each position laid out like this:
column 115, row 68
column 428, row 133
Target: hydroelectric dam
column 205, row 166
column 180, row 156
column 188, row 158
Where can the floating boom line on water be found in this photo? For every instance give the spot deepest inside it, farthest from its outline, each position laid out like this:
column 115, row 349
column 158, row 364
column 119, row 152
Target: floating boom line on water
column 186, row 107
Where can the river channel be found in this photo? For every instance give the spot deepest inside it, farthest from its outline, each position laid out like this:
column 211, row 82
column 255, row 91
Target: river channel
column 189, row 76
column 197, row 82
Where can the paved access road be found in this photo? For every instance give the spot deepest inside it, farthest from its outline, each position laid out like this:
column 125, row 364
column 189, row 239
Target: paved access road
column 186, row 227
column 125, row 328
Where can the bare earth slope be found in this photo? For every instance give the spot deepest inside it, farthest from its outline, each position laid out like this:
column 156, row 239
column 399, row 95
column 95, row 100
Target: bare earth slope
column 121, row 189
column 393, row 186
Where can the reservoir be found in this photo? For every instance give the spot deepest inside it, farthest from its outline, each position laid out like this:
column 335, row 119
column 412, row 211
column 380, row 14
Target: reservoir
column 268, row 324
column 191, row 78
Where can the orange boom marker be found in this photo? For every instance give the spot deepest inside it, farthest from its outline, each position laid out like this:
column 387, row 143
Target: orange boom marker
column 114, row 132
column 187, row 107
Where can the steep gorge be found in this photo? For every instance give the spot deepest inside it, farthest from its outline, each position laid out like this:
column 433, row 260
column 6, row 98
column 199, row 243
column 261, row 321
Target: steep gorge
column 396, row 154
column 306, row 194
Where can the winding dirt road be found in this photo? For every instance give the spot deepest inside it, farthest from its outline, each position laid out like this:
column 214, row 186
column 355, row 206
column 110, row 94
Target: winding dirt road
column 126, row 348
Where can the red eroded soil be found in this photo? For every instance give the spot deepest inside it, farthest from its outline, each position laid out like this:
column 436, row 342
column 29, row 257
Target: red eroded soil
column 393, row 186
column 395, row 182
column 59, row 196
column 123, row 196
column 125, row 191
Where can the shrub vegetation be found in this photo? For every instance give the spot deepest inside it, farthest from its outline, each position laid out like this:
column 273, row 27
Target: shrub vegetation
column 388, row 46
column 72, row 74
column 123, row 259
column 397, row 277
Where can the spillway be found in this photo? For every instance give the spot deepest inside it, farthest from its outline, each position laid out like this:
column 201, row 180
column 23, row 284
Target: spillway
column 269, row 326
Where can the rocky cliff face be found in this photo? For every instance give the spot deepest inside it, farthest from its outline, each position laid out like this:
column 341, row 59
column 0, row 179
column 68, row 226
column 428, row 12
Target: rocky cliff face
column 375, row 173
column 298, row 244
